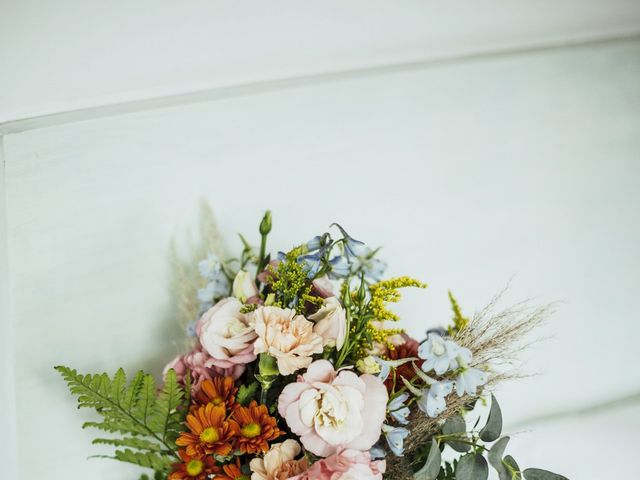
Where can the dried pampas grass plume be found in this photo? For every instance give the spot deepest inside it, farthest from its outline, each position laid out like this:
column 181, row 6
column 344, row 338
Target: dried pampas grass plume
column 186, row 279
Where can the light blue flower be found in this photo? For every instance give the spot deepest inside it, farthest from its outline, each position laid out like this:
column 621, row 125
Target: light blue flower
column 469, row 378
column 373, row 268
column 311, row 263
column 214, row 290
column 387, row 365
column 315, row 243
column 395, row 438
column 438, row 354
column 398, row 410
column 432, row 401
column 377, row 452
column 210, row 267
column 340, row 267
column 352, row 247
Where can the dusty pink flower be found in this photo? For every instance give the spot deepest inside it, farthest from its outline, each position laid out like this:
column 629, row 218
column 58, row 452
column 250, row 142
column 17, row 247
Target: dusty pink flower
column 287, row 337
column 345, row 465
column 227, row 334
column 331, row 410
column 202, row 368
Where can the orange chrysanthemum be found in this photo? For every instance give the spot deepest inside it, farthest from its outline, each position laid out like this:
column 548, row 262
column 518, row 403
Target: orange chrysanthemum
column 257, row 428
column 210, row 431
column 219, row 391
column 193, row 468
column 232, row 471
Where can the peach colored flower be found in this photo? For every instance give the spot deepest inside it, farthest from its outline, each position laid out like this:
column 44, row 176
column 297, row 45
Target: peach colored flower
column 331, row 410
column 345, row 465
column 227, row 334
column 202, row 367
column 287, row 337
column 279, row 462
column 331, row 322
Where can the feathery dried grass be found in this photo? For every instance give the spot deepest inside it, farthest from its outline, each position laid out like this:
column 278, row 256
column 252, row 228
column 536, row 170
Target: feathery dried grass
column 186, row 278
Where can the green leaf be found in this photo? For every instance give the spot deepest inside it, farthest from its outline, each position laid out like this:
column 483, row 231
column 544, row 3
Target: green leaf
column 495, row 458
column 247, row 393
column 493, row 428
column 472, row 467
column 538, row 474
column 144, row 422
column 431, row 467
column 512, row 467
column 456, row 425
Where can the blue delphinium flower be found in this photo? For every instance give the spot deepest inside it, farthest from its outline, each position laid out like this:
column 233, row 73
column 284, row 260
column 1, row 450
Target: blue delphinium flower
column 432, row 401
column 315, row 243
column 311, row 262
column 372, row 267
column 395, row 438
column 218, row 285
column 438, row 354
column 398, row 410
column 340, row 267
column 352, row 247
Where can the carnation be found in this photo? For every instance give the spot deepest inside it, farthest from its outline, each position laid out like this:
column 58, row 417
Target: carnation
column 345, row 465
column 286, row 336
column 332, row 409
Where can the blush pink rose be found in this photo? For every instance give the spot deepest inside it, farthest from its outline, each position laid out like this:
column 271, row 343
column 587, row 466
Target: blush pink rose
column 227, row 334
column 346, row 464
column 332, row 410
column 202, row 368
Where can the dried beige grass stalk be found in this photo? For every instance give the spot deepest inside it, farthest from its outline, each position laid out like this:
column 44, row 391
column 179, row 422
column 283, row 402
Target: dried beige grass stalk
column 186, row 278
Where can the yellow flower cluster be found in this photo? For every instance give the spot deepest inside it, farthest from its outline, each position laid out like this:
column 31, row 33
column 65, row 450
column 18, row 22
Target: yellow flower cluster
column 387, row 291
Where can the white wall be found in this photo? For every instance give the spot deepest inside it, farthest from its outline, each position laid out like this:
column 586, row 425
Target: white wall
column 70, row 54
column 468, row 172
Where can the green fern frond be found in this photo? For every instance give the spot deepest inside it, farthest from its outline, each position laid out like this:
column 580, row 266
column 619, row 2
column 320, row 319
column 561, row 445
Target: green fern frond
column 146, row 421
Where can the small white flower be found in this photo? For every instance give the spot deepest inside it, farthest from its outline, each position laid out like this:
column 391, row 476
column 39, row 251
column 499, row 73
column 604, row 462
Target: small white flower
column 395, row 438
column 438, row 354
column 432, row 401
column 469, row 379
column 398, row 410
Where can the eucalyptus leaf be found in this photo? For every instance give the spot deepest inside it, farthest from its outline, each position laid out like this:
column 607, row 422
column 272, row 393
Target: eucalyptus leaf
column 514, row 470
column 472, row 467
column 431, row 467
column 493, row 428
column 456, row 425
column 538, row 474
column 495, row 458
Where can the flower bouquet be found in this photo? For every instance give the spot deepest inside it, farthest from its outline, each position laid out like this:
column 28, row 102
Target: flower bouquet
column 298, row 369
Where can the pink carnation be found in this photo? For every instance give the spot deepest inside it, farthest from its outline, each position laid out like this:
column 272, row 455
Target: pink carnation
column 202, row 368
column 331, row 410
column 346, row 464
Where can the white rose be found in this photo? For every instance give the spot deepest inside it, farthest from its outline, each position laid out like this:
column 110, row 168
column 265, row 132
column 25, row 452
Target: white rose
column 244, row 286
column 331, row 322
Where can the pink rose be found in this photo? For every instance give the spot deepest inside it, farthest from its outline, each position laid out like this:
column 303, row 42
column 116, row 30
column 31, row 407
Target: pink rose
column 331, row 410
column 202, row 368
column 227, row 334
column 346, row 464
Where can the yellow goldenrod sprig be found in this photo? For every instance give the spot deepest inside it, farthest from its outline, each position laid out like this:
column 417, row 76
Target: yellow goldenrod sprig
column 387, row 291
